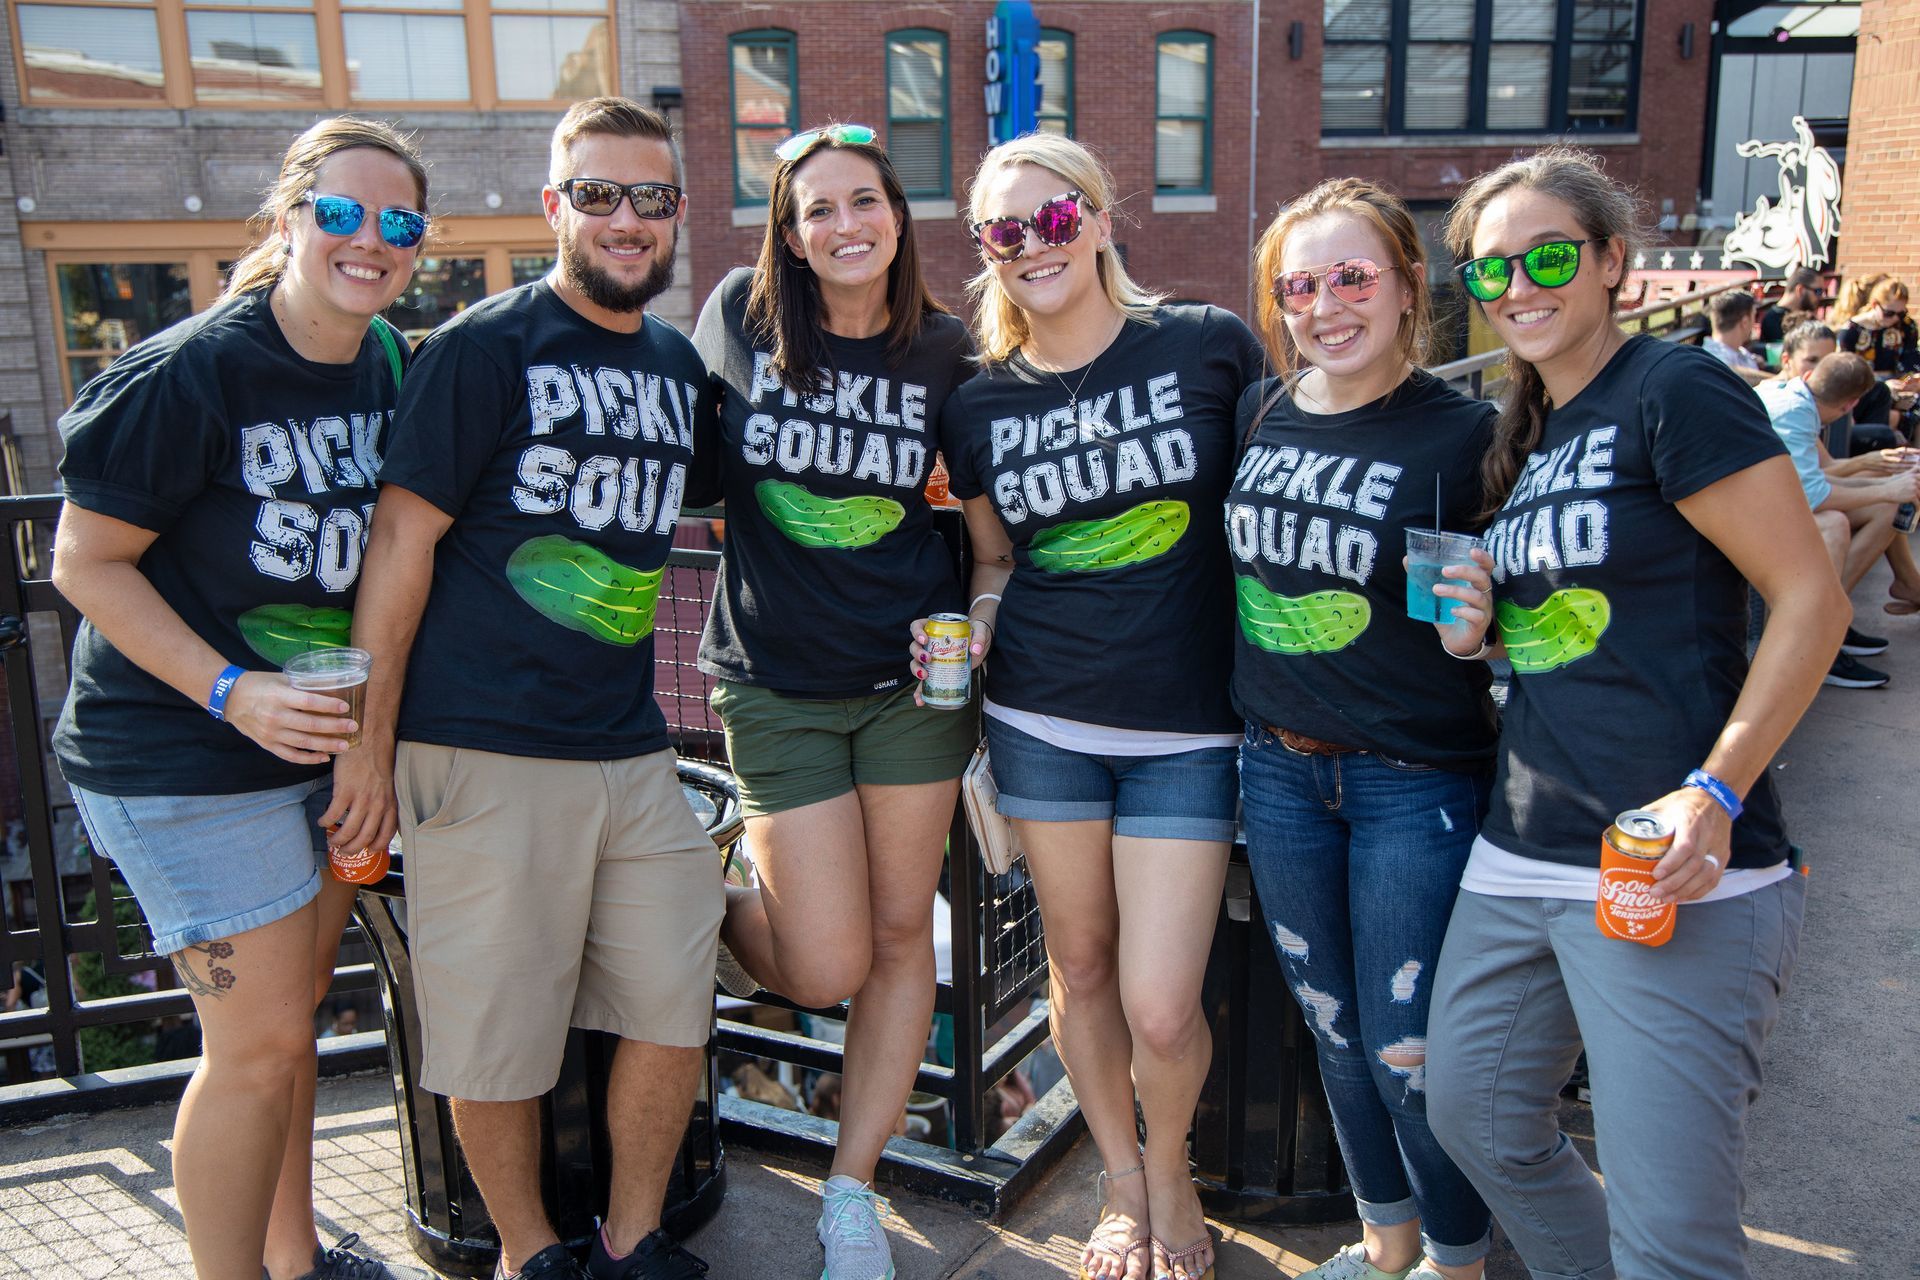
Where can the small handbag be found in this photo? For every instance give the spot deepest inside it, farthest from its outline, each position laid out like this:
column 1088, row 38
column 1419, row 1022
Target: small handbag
column 999, row 848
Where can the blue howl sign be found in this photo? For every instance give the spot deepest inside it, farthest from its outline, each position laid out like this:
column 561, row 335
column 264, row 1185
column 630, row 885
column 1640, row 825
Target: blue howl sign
column 1012, row 71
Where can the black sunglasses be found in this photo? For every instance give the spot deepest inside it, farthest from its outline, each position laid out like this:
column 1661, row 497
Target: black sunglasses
column 601, row 197
column 1548, row 265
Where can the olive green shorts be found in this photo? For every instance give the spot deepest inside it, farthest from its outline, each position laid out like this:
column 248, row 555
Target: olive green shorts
column 788, row 751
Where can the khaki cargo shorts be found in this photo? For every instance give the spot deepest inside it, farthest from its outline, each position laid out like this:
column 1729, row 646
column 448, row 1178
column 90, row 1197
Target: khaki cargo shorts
column 544, row 894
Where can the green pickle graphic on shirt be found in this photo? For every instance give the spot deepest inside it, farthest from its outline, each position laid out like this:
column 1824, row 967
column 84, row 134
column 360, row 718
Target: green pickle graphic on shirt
column 1320, row 622
column 1563, row 628
column 813, row 521
column 580, row 588
column 278, row 631
column 1087, row 546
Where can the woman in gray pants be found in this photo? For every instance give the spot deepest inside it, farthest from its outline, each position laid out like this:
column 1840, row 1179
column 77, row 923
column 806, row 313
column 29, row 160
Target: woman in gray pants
column 1643, row 489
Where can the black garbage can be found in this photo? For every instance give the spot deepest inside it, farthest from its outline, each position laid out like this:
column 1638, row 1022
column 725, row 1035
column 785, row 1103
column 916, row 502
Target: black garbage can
column 447, row 1222
column 1263, row 1144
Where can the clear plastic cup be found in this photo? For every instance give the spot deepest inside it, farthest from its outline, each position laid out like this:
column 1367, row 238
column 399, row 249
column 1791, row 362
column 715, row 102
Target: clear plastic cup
column 340, row 672
column 1428, row 551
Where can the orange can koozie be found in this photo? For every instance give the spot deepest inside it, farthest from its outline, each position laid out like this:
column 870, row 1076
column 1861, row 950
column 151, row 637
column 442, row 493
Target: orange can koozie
column 367, row 866
column 1625, row 907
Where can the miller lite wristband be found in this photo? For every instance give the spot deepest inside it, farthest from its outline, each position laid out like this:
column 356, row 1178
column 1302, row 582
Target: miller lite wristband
column 1722, row 793
column 222, row 686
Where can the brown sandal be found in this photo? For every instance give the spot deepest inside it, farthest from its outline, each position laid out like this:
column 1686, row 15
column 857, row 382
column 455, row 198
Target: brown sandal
column 1182, row 1257
column 1097, row 1245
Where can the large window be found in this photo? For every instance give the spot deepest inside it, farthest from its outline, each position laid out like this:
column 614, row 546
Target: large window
column 1478, row 66
column 106, row 307
column 1056, row 82
column 314, row 53
column 917, row 138
column 765, row 107
column 1183, row 114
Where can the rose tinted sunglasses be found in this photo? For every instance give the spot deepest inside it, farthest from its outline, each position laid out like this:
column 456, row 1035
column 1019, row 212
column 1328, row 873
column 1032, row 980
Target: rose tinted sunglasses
column 601, row 197
column 1055, row 223
column 853, row 135
column 341, row 216
column 1548, row 265
column 1354, row 280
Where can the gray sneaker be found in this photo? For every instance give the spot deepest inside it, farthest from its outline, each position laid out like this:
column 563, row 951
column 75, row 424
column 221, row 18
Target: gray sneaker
column 851, row 1233
column 343, row 1262
column 732, row 976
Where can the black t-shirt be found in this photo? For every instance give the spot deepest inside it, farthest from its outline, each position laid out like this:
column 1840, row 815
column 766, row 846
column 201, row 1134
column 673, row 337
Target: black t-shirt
column 1894, row 348
column 1626, row 628
column 1315, row 525
column 560, row 449
column 255, row 466
column 1108, row 479
column 829, row 535
column 1774, row 326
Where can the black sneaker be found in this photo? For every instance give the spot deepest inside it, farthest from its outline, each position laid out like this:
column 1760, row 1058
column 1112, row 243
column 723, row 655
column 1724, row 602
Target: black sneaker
column 658, row 1256
column 1850, row 673
column 1862, row 646
column 551, row 1263
column 342, row 1263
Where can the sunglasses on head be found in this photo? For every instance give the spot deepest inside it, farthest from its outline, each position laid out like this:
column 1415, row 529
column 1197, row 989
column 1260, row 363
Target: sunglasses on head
column 1354, row 280
column 341, row 216
column 1548, row 265
column 856, row 135
column 601, row 197
column 1056, row 222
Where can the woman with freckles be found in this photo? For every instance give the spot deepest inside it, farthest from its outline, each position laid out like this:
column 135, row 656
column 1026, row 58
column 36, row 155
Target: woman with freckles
column 832, row 361
column 1643, row 491
column 1368, row 748
column 1091, row 454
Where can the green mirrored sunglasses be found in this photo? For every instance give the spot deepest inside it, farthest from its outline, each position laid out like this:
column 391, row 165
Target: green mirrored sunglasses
column 1548, row 265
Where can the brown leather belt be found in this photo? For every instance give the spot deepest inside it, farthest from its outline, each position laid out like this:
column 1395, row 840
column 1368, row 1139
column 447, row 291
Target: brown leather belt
column 1310, row 746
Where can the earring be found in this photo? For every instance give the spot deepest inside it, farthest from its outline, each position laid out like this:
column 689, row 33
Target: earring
column 289, row 249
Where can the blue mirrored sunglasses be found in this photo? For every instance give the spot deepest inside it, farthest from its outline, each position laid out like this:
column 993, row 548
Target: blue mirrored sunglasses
column 340, row 216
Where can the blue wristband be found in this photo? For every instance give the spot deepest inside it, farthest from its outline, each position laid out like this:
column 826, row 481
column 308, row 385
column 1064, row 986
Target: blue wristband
column 217, row 699
column 1720, row 791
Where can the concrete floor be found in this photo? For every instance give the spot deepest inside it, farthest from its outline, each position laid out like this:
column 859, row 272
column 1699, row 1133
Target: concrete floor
column 1830, row 1172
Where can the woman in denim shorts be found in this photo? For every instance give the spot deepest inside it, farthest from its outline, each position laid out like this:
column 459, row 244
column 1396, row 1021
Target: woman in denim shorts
column 1368, row 746
column 1092, row 453
column 832, row 361
column 217, row 479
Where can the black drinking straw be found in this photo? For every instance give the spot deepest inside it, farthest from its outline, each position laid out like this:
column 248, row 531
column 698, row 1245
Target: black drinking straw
column 1436, row 503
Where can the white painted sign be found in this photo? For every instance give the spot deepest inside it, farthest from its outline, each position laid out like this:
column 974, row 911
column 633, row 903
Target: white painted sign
column 1799, row 230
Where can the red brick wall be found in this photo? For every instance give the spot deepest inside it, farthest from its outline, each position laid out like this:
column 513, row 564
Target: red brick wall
column 841, row 51
column 1881, row 199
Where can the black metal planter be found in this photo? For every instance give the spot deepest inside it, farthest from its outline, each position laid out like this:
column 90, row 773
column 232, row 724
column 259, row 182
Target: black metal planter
column 447, row 1221
column 1263, row 1144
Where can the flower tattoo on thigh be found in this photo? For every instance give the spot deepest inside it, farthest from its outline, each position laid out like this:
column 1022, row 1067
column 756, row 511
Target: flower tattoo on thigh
column 219, row 979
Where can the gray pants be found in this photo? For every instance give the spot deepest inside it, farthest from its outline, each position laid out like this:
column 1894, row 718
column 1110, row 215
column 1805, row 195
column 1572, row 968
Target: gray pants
column 1673, row 1037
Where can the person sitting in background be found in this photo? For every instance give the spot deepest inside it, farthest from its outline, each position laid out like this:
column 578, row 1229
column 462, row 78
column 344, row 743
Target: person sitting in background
column 1731, row 315
column 1879, row 330
column 1854, row 513
column 1794, row 307
column 1805, row 346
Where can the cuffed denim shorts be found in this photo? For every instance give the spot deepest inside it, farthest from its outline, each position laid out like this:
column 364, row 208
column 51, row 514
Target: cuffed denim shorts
column 210, row 867
column 1188, row 795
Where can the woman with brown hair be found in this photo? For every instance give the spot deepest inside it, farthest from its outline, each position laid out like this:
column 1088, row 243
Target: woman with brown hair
column 217, row 479
column 832, row 361
column 1368, row 749
column 1092, row 453
column 1644, row 489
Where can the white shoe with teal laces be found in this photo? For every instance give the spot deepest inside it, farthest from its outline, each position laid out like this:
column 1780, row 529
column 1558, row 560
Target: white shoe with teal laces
column 1351, row 1264
column 851, row 1233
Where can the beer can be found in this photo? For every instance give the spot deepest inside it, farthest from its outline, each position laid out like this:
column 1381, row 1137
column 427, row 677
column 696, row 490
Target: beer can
column 949, row 679
column 365, row 866
column 1625, row 907
column 1903, row 519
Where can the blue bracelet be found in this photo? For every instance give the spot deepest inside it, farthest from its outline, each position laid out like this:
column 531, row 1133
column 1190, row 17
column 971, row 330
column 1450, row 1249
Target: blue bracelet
column 1720, row 791
column 217, row 699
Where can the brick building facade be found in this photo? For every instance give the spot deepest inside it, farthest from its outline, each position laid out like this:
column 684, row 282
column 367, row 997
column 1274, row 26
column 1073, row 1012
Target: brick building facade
column 1883, row 148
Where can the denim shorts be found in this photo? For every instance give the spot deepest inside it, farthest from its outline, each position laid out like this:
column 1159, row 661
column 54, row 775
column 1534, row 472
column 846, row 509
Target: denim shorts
column 1189, row 795
column 210, row 867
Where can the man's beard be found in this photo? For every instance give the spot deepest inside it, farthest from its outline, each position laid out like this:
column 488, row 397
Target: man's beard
column 603, row 291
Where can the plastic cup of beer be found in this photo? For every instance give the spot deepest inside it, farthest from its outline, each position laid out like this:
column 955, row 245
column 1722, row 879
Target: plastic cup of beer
column 340, row 672
column 1428, row 551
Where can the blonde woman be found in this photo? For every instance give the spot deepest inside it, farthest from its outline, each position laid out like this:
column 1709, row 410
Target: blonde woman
column 1092, row 453
column 217, row 477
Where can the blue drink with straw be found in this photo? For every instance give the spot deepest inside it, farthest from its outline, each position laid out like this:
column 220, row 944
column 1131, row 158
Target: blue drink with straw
column 1428, row 550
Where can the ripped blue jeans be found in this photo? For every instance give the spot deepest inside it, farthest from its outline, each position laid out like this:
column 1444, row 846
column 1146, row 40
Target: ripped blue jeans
column 1357, row 860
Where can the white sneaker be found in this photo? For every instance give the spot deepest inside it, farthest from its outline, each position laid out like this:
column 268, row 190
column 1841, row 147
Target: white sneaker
column 1351, row 1264
column 851, row 1233
column 732, row 976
